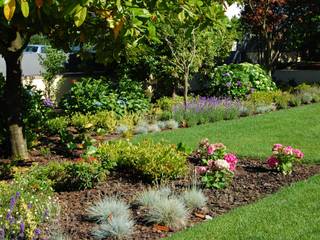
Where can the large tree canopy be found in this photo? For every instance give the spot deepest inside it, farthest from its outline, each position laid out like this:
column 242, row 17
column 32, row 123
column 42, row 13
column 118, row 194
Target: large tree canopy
column 279, row 25
column 62, row 22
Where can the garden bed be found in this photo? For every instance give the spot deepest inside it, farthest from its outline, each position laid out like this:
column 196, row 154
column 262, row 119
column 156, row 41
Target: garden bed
column 253, row 180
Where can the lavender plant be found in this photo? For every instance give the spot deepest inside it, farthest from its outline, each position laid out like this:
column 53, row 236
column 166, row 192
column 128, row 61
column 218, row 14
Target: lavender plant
column 205, row 110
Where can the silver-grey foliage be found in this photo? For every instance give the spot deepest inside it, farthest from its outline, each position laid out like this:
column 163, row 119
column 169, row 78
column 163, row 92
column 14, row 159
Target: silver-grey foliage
column 107, row 208
column 194, row 198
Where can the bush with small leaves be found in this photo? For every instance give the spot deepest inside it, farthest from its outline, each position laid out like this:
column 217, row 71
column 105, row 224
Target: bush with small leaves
column 57, row 125
column 153, row 161
column 194, row 198
column 108, row 208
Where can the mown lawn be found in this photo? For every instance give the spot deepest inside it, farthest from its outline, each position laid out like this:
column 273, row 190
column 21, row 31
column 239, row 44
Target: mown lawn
column 254, row 136
column 292, row 214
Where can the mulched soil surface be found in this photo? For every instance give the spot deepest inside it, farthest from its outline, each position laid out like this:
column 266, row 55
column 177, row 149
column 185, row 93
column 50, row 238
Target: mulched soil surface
column 253, row 181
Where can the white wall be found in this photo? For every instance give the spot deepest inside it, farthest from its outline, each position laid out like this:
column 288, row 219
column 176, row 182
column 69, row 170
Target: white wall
column 30, row 65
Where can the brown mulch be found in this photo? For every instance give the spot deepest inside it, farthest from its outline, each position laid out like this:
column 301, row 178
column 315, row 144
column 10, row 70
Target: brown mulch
column 253, row 181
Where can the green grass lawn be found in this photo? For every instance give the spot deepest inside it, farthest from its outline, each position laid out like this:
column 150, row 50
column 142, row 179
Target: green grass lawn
column 292, row 214
column 254, row 136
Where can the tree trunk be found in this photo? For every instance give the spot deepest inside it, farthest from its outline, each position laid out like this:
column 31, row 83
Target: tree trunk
column 185, row 86
column 13, row 93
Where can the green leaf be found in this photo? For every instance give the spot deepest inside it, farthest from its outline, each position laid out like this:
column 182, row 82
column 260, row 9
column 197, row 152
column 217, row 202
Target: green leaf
column 80, row 16
column 1, row 3
column 25, row 8
column 181, row 16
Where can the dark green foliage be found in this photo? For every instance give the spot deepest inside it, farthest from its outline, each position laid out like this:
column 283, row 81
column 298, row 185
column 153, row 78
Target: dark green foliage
column 91, row 95
column 35, row 113
column 239, row 80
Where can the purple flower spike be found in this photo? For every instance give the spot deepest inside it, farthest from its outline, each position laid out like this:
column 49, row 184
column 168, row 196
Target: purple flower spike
column 2, row 233
column 12, row 202
column 22, row 227
column 48, row 103
column 37, row 232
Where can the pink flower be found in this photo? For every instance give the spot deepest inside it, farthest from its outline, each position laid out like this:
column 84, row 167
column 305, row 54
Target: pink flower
column 201, row 170
column 288, row 150
column 277, row 147
column 272, row 162
column 210, row 163
column 219, row 146
column 298, row 153
column 211, row 149
column 232, row 160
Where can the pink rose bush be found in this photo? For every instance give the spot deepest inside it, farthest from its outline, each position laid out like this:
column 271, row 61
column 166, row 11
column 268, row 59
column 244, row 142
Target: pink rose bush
column 215, row 166
column 283, row 158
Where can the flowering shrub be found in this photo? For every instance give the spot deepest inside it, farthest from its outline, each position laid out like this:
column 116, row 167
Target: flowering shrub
column 239, row 80
column 284, row 157
column 217, row 166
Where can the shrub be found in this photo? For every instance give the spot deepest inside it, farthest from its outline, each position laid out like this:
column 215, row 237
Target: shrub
column 262, row 98
column 172, row 124
column 166, row 104
column 217, row 166
column 194, row 198
column 82, row 121
column 282, row 100
column 154, row 161
column 70, row 176
column 239, row 80
column 170, row 212
column 93, row 95
column 25, row 205
column 284, row 157
column 108, row 208
column 57, row 125
column 105, row 120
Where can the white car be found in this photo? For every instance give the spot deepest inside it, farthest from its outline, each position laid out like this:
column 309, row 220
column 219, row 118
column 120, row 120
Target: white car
column 32, row 48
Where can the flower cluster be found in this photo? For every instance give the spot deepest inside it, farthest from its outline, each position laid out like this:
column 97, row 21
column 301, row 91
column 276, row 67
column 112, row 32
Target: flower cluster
column 217, row 166
column 22, row 212
column 283, row 158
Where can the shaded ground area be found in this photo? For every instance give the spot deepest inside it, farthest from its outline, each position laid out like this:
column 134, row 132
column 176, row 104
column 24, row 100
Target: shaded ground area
column 253, row 181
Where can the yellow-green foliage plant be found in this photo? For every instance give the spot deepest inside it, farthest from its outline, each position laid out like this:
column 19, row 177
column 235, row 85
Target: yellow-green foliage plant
column 106, row 120
column 154, row 161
